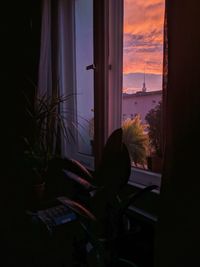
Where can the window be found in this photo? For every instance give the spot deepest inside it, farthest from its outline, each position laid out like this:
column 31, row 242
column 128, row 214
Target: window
column 106, row 67
column 96, row 36
column 142, row 74
column 84, row 74
column 76, row 76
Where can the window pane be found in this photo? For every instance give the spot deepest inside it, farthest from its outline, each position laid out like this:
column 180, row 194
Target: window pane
column 142, row 78
column 84, row 78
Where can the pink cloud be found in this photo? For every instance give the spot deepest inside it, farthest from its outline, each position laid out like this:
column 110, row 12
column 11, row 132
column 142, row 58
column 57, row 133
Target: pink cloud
column 143, row 36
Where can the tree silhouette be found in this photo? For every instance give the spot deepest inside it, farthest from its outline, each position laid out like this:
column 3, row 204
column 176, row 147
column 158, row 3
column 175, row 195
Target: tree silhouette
column 153, row 118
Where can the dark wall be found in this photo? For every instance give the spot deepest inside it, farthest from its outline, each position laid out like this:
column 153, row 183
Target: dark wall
column 20, row 35
column 19, row 53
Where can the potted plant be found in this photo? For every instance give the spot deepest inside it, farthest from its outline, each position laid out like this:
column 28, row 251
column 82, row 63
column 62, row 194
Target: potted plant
column 35, row 166
column 108, row 203
column 136, row 139
column 153, row 119
column 47, row 123
column 102, row 222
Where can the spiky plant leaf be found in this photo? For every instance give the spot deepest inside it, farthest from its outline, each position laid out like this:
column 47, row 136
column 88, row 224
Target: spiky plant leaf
column 136, row 139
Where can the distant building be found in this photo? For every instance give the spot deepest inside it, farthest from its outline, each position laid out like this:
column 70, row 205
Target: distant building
column 139, row 103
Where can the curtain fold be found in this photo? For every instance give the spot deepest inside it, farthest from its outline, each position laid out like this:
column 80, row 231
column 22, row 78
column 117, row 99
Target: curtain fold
column 178, row 232
column 47, row 88
column 44, row 74
column 56, row 71
column 164, row 85
column 66, row 75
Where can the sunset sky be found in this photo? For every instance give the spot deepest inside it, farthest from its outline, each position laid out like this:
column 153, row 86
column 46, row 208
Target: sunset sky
column 143, row 43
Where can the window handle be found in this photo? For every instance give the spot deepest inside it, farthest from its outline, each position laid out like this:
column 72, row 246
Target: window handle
column 90, row 67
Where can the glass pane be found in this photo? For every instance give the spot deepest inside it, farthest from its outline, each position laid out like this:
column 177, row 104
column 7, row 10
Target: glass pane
column 142, row 78
column 84, row 78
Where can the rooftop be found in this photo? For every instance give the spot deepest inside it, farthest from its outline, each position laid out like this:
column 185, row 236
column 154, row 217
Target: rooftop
column 141, row 93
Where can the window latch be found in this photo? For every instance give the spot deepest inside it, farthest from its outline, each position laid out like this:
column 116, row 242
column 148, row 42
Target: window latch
column 90, row 67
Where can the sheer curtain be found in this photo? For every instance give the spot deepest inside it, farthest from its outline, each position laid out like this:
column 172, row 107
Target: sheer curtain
column 178, row 232
column 56, row 76
column 45, row 72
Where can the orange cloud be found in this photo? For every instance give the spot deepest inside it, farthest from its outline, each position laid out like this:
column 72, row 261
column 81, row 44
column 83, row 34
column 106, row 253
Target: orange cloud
column 143, row 36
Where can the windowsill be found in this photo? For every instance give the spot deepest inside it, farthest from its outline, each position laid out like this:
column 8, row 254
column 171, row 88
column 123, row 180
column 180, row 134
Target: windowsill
column 139, row 178
column 147, row 207
column 142, row 178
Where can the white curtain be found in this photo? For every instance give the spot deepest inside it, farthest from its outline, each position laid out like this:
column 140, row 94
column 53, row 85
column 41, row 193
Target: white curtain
column 56, row 70
column 66, row 71
column 45, row 72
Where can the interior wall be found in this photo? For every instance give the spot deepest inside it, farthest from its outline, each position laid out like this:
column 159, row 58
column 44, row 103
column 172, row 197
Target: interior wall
column 20, row 35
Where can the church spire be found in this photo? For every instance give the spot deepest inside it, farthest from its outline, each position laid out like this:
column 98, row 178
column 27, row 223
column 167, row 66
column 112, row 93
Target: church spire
column 144, row 89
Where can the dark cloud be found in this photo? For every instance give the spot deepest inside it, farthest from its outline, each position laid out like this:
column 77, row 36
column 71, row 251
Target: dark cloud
column 132, row 40
column 152, row 7
column 128, row 50
column 154, row 34
column 143, row 35
column 155, row 48
column 143, row 42
column 140, row 39
column 153, row 63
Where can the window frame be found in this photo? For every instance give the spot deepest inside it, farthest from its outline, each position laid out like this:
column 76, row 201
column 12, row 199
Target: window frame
column 108, row 53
